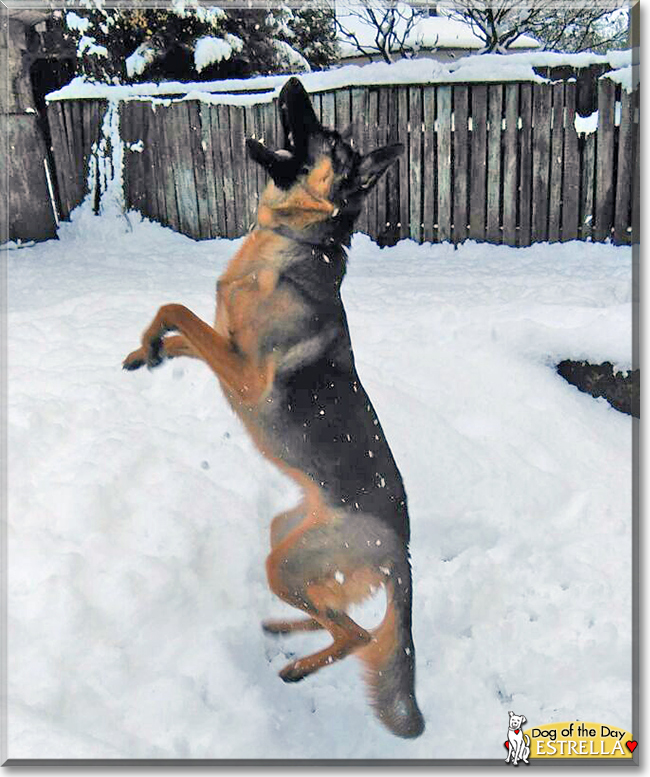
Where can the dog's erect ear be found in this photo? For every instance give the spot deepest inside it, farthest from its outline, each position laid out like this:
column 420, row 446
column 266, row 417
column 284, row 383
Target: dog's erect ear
column 280, row 165
column 510, row 713
column 377, row 162
column 524, row 719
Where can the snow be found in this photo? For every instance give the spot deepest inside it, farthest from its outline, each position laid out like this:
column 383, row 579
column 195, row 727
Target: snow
column 88, row 45
column 194, row 8
column 589, row 124
column 586, row 124
column 141, row 58
column 290, row 57
column 627, row 76
column 138, row 508
column 75, row 22
column 209, row 50
column 476, row 68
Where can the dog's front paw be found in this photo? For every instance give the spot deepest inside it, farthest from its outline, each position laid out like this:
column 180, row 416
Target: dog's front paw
column 134, row 360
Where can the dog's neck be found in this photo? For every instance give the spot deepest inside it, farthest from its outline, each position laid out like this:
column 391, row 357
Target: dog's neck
column 317, row 268
column 323, row 242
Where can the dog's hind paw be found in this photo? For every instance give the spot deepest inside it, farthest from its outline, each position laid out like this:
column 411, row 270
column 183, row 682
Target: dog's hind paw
column 293, row 672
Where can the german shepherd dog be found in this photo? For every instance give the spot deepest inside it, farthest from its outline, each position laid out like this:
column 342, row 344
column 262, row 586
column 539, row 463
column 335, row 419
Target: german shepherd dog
column 280, row 347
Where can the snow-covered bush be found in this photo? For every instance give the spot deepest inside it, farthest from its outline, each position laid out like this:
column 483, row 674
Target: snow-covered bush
column 190, row 42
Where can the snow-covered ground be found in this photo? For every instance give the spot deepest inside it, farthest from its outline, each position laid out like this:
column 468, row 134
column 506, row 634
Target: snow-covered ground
column 139, row 510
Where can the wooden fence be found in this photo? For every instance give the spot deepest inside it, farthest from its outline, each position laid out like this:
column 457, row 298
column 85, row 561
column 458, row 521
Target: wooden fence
column 494, row 162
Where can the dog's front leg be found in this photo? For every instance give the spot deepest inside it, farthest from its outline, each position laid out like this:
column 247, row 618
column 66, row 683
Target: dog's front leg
column 172, row 347
column 244, row 378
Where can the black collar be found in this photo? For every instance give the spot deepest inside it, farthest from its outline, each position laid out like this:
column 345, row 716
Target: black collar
column 300, row 237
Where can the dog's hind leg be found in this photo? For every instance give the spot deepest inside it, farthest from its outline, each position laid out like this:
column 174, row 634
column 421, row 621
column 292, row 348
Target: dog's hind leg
column 289, row 627
column 283, row 523
column 348, row 636
column 301, row 571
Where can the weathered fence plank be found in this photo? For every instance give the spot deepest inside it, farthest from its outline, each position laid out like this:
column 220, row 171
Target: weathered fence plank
column 359, row 112
column 198, row 153
column 494, row 188
column 443, row 110
column 391, row 234
column 404, row 161
column 428, row 155
column 571, row 168
column 541, row 158
column 415, row 157
column 381, row 140
column 130, row 125
column 64, row 167
column 342, row 101
column 232, row 196
column 210, row 183
column 218, row 166
column 238, row 151
column 526, row 163
column 604, row 205
column 461, row 162
column 328, row 110
column 251, row 167
column 588, row 177
column 625, row 171
column 371, row 137
column 557, row 147
column 478, row 161
column 188, row 193
column 510, row 168
column 259, row 133
column 162, row 201
column 636, row 189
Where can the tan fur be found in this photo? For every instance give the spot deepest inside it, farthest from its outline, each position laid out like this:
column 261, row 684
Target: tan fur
column 305, row 204
column 248, row 303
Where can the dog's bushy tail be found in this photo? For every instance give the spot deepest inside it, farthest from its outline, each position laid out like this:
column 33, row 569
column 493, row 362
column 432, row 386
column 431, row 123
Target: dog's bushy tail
column 390, row 660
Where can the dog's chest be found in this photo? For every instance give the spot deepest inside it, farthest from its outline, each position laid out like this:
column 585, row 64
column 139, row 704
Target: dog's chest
column 246, row 292
column 256, row 313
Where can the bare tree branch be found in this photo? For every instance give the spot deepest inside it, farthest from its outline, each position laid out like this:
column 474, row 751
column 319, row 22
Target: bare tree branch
column 391, row 24
column 499, row 23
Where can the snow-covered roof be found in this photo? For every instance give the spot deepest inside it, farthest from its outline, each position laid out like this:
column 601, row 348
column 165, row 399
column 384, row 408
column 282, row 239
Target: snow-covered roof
column 433, row 32
column 237, row 91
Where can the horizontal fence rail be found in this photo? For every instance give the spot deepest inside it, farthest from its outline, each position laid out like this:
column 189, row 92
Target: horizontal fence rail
column 502, row 163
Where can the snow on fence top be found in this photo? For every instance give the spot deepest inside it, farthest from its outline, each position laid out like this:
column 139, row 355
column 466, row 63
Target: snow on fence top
column 260, row 89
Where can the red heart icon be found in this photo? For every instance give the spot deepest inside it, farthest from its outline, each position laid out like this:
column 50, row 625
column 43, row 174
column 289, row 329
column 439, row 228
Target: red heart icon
column 516, row 731
column 507, row 744
column 631, row 746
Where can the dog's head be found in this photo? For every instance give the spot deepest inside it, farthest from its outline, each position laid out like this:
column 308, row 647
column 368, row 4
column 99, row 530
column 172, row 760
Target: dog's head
column 319, row 181
column 516, row 721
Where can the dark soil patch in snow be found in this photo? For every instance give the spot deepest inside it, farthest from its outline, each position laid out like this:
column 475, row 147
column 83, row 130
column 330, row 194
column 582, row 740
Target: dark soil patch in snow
column 621, row 390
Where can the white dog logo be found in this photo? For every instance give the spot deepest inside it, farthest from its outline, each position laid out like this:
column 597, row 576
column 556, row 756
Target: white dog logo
column 518, row 743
